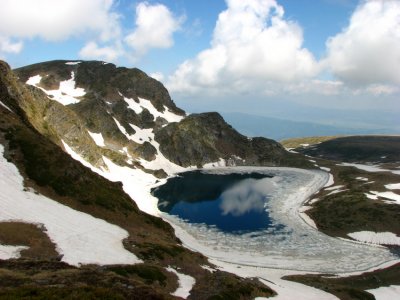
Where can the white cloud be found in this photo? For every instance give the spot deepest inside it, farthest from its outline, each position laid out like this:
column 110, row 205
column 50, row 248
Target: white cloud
column 252, row 44
column 107, row 53
column 155, row 26
column 157, row 76
column 8, row 46
column 381, row 89
column 57, row 20
column 316, row 87
column 367, row 52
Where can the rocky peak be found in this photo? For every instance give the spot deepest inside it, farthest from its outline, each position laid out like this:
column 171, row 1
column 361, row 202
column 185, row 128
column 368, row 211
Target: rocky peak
column 103, row 81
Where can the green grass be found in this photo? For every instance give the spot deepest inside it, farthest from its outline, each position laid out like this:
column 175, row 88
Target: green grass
column 312, row 140
column 150, row 274
column 54, row 293
column 376, row 149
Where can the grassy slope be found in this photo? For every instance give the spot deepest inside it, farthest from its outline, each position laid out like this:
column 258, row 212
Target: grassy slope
column 351, row 211
column 312, row 140
column 369, row 149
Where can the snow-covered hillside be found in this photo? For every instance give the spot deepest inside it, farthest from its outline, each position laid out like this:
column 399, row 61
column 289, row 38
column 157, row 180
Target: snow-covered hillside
column 79, row 237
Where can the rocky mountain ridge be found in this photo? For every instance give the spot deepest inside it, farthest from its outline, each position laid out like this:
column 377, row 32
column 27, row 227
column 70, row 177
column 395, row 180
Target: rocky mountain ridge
column 99, row 110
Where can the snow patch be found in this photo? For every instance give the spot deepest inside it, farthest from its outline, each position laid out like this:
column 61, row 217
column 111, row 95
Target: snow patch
column 97, row 138
column 325, row 169
column 123, row 130
column 138, row 107
column 185, row 282
column 218, row 164
column 387, row 195
column 160, row 162
column 393, row 186
column 368, row 168
column 80, row 237
column 208, row 268
column 371, row 196
column 386, row 292
column 142, row 134
column 330, row 181
column 332, row 188
column 79, row 158
column 133, row 105
column 34, row 80
column 67, row 93
column 72, row 63
column 336, row 192
column 5, row 106
column 362, row 178
column 380, row 238
column 8, row 252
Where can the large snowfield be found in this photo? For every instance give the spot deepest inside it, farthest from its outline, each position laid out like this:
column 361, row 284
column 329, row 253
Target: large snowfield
column 79, row 237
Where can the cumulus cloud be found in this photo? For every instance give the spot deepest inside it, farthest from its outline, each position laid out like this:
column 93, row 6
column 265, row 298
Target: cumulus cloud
column 9, row 46
column 107, row 53
column 367, row 51
column 57, row 20
column 155, row 26
column 252, row 44
column 157, row 75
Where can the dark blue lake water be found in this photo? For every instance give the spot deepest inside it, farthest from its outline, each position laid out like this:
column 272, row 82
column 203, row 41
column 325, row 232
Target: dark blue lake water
column 233, row 203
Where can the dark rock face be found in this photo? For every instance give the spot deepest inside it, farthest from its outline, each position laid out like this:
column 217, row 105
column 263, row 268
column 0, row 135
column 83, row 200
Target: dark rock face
column 205, row 138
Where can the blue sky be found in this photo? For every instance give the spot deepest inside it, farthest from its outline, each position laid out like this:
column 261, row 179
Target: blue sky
column 265, row 57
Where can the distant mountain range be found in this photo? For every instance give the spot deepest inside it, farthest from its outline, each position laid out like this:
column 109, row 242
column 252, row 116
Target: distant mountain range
column 279, row 129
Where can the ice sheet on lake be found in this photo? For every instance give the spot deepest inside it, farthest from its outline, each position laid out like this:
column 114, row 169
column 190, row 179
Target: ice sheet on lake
column 297, row 246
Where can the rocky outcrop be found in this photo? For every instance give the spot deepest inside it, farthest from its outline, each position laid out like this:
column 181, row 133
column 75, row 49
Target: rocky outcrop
column 205, row 138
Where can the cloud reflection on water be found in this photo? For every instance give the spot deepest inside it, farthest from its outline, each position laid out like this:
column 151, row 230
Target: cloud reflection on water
column 246, row 196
